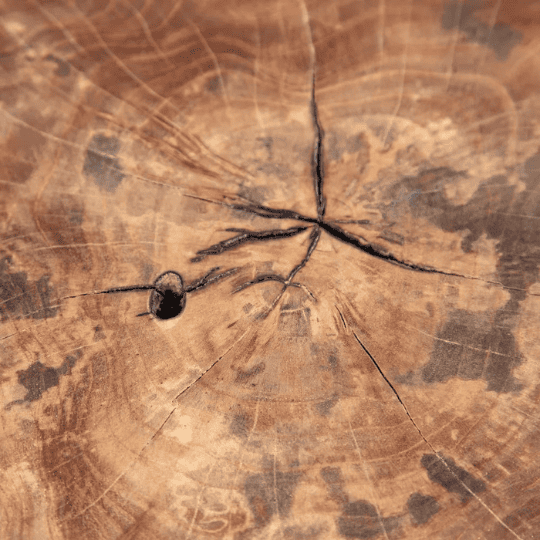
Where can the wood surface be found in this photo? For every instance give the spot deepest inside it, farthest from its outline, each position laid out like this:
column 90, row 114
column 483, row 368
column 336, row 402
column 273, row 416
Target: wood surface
column 270, row 269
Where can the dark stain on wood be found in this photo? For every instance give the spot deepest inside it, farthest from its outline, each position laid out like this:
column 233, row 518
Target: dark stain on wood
column 495, row 209
column 335, row 484
column 499, row 212
column 38, row 378
column 422, row 508
column 270, row 493
column 101, row 164
column 444, row 471
column 68, row 463
column 359, row 519
column 325, row 407
column 241, row 425
column 472, row 349
column 20, row 299
column 244, row 376
column 500, row 37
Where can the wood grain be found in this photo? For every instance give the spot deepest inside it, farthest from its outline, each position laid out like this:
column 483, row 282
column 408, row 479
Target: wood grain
column 270, row 270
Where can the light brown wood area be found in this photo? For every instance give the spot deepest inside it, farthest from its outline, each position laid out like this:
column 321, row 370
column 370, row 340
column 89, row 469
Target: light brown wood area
column 270, row 269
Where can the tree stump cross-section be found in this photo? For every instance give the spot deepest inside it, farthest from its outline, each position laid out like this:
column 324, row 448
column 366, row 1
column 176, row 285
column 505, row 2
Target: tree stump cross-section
column 270, row 270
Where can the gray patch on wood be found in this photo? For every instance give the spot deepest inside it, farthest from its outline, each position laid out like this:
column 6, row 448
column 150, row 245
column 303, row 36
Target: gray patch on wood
column 76, row 216
column 360, row 519
column 498, row 212
column 295, row 324
column 101, row 164
column 254, row 194
column 444, row 471
column 270, row 493
column 241, row 425
column 422, row 508
column 335, row 484
column 500, row 37
column 324, row 408
column 471, row 349
column 244, row 376
column 99, row 335
column 20, row 299
column 38, row 378
column 214, row 85
column 339, row 145
column 393, row 237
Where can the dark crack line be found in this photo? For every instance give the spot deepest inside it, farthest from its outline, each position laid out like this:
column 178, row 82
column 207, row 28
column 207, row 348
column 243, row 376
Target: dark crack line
column 314, row 236
column 331, row 228
column 341, row 316
column 260, row 279
column 128, row 288
column 209, row 278
column 246, row 237
column 160, row 428
column 317, row 164
column 388, row 383
column 271, row 213
column 362, row 244
column 437, row 454
column 353, row 221
column 199, row 284
column 194, row 286
column 259, row 210
column 198, row 378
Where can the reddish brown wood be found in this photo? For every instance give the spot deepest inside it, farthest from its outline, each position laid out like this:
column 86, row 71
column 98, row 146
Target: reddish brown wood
column 389, row 389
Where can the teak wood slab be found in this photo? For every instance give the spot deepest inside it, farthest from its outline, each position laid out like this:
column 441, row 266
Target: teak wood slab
column 269, row 270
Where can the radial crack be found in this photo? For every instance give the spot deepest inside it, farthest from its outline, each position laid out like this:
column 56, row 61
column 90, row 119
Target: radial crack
column 210, row 367
column 391, row 387
column 314, row 237
column 260, row 279
column 362, row 244
column 209, row 278
column 128, row 288
column 198, row 378
column 259, row 210
column 437, row 454
column 317, row 164
column 246, row 237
